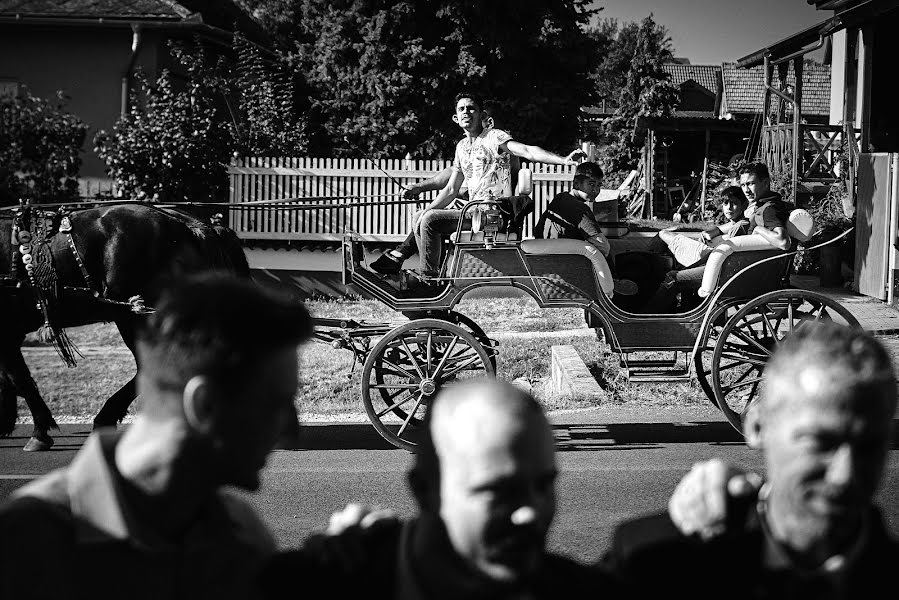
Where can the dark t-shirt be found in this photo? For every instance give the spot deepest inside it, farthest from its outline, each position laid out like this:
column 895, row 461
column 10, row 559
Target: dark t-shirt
column 566, row 217
column 771, row 212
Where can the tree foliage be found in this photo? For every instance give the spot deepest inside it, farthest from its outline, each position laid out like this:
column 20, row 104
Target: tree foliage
column 182, row 130
column 270, row 107
column 176, row 144
column 644, row 89
column 382, row 73
column 40, row 146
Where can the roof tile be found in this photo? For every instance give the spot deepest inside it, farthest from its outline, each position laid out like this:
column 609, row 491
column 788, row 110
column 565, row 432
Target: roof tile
column 95, row 8
column 704, row 75
column 744, row 88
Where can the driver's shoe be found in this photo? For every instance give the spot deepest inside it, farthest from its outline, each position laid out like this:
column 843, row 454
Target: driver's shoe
column 387, row 264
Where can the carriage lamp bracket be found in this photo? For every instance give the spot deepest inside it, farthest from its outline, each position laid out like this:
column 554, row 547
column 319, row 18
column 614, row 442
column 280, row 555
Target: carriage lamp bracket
column 487, row 218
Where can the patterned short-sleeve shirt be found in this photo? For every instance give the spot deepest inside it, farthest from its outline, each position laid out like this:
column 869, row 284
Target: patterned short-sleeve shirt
column 485, row 166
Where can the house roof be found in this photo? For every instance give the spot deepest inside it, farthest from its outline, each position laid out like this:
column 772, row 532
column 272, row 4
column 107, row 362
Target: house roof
column 744, row 88
column 223, row 14
column 704, row 75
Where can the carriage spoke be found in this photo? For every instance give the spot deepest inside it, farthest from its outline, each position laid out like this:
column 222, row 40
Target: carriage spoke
column 461, row 367
column 741, row 359
column 751, row 341
column 412, row 358
column 411, row 414
column 446, row 355
column 772, row 331
column 790, row 316
column 750, row 325
column 399, row 371
column 395, row 405
column 728, row 389
column 430, row 349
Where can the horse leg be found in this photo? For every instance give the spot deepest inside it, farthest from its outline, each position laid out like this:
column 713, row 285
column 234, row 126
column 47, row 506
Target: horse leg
column 116, row 406
column 19, row 378
column 9, row 409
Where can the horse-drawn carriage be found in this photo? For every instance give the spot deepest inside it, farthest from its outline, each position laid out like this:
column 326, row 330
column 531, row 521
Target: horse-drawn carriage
column 109, row 260
column 724, row 342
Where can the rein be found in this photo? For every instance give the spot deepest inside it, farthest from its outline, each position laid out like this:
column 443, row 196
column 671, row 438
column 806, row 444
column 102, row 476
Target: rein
column 309, row 203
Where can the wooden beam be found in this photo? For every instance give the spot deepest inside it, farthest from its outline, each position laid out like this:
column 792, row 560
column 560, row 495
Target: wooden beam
column 863, row 114
column 797, row 126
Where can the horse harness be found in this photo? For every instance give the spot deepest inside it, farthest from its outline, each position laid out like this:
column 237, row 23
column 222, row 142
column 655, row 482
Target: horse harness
column 32, row 232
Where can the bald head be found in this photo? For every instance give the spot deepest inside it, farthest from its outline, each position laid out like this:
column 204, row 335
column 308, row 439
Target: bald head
column 487, row 469
column 825, row 359
column 487, row 413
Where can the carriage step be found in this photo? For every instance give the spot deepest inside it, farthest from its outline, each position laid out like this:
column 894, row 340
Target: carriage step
column 666, row 376
column 647, row 364
column 626, row 362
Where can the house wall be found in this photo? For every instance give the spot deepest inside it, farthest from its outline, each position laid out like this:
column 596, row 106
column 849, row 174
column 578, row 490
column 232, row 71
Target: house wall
column 837, row 76
column 87, row 64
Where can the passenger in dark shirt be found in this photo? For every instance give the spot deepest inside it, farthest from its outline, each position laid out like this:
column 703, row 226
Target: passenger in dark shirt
column 569, row 217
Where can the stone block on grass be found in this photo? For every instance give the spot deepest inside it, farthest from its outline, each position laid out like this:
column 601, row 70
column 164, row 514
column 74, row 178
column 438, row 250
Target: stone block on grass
column 571, row 377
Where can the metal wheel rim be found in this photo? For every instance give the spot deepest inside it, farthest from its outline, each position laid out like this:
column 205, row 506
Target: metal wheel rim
column 751, row 336
column 453, row 351
column 707, row 348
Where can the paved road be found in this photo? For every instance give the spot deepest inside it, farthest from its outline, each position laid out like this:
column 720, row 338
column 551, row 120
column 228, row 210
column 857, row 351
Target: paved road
column 614, row 463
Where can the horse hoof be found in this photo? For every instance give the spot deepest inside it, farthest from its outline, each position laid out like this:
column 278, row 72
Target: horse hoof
column 38, row 445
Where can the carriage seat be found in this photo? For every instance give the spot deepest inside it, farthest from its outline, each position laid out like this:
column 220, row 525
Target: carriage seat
column 516, row 209
column 569, row 246
column 800, row 228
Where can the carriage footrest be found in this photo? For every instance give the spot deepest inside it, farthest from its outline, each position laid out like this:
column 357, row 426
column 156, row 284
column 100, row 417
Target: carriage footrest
column 662, row 376
column 633, row 363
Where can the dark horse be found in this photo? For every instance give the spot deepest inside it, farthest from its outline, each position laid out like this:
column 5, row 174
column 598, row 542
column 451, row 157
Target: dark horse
column 125, row 251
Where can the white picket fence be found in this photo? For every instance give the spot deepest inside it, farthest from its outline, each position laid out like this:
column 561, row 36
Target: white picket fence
column 362, row 196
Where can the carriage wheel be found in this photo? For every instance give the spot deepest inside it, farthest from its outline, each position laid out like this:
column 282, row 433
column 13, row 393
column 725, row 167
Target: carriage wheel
column 751, row 336
column 409, row 366
column 702, row 360
column 466, row 322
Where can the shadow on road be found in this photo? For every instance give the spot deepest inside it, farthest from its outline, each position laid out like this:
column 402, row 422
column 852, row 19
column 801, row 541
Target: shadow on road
column 642, row 436
column 338, row 436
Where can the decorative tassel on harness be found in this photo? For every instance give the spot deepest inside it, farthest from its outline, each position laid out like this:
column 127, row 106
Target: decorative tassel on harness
column 34, row 250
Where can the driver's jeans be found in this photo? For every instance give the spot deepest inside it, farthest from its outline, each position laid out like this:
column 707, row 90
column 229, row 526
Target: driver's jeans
column 435, row 224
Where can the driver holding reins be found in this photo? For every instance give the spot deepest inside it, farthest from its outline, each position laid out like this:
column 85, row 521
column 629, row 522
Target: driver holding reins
column 483, row 159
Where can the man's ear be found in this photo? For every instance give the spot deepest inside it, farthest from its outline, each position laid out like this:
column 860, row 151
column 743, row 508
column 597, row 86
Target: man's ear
column 752, row 426
column 199, row 404
column 456, row 119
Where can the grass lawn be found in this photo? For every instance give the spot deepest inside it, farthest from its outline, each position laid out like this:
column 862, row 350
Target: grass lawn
column 330, row 387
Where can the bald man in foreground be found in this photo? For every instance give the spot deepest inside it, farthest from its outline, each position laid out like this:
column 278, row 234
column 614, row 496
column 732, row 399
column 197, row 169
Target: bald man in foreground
column 484, row 481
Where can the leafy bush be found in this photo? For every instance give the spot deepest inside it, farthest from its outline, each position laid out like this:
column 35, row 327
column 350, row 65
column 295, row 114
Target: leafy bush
column 177, row 140
column 176, row 146
column 40, row 145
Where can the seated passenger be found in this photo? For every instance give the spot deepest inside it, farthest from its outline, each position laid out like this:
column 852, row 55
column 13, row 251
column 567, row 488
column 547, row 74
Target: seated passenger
column 693, row 253
column 483, row 158
column 768, row 215
column 569, row 219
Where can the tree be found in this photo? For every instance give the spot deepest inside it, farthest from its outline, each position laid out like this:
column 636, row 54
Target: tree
column 382, row 73
column 647, row 91
column 270, row 119
column 177, row 140
column 40, row 147
column 176, row 144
